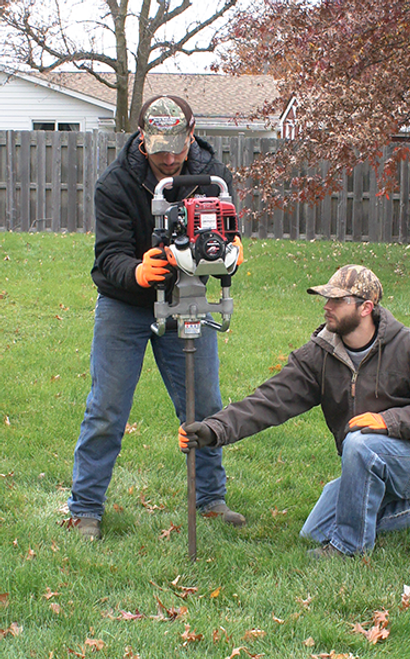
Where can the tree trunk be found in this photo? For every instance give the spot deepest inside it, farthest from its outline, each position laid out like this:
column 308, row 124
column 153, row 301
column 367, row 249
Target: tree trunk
column 141, row 64
column 122, row 75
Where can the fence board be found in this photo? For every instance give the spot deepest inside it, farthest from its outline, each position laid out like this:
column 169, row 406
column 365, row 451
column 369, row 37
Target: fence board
column 47, row 182
column 55, row 182
column 24, row 162
column 11, row 201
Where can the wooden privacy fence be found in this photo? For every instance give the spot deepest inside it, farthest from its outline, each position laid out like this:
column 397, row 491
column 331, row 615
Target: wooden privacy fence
column 47, row 183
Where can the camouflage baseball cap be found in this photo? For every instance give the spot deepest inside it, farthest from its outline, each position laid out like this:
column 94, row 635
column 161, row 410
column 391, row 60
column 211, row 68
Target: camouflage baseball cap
column 165, row 122
column 351, row 280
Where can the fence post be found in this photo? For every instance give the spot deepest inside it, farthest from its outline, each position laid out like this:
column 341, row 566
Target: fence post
column 404, row 202
column 88, row 182
column 25, row 142
column 11, row 205
column 56, row 181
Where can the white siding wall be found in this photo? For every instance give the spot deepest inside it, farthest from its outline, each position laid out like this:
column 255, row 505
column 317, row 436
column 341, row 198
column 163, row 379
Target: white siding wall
column 22, row 102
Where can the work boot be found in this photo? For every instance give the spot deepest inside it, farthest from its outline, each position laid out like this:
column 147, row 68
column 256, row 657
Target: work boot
column 222, row 510
column 326, row 551
column 88, row 527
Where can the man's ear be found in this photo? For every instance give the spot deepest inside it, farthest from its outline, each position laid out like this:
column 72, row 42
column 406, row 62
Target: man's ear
column 367, row 308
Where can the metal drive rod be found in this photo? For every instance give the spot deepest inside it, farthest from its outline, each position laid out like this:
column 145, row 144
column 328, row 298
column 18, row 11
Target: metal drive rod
column 190, row 350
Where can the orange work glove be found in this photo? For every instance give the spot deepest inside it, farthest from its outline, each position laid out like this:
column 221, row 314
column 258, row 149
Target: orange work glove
column 195, row 435
column 153, row 269
column 238, row 243
column 369, row 422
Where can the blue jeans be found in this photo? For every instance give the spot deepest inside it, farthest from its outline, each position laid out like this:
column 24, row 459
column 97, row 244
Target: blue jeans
column 371, row 495
column 121, row 335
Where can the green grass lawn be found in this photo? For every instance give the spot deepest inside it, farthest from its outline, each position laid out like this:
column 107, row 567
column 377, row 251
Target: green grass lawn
column 252, row 592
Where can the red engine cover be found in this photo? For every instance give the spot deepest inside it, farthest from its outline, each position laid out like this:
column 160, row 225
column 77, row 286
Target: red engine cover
column 211, row 214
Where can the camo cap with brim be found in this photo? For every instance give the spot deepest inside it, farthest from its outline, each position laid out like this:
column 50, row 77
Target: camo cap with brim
column 351, row 280
column 166, row 122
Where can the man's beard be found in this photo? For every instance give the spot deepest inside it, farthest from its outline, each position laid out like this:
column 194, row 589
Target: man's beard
column 345, row 326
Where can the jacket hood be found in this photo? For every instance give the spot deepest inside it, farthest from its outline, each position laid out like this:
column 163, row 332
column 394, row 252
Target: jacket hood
column 388, row 327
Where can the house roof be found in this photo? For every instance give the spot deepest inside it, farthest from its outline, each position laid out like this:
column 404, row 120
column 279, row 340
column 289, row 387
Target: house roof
column 211, row 96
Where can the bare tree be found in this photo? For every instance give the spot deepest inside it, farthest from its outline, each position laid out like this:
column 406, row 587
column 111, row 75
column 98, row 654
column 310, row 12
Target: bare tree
column 43, row 39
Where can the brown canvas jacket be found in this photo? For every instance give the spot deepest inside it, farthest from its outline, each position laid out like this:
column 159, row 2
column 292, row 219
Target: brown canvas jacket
column 321, row 373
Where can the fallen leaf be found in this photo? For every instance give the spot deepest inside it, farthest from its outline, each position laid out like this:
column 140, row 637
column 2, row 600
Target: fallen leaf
column 275, row 512
column 7, row 421
column 49, row 594
column 149, row 506
column 95, row 643
column 216, row 592
column 236, row 652
column 405, row 598
column 126, row 615
column 378, row 631
column 166, row 533
column 216, row 636
column 190, row 637
column 278, row 620
column 309, row 642
column 4, row 599
column 129, row 653
column 56, row 608
column 253, row 633
column 305, row 603
column 169, row 614
column 14, row 630
column 117, row 508
column 333, row 655
column 30, row 554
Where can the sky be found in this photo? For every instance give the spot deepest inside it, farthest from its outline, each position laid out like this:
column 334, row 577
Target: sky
column 83, row 13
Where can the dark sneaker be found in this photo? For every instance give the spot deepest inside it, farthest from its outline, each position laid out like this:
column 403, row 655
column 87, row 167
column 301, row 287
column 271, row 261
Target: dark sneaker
column 228, row 516
column 88, row 527
column 327, row 551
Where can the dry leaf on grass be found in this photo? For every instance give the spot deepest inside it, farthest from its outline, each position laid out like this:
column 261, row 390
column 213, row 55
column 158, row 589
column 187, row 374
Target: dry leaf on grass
column 216, row 636
column 149, row 506
column 56, row 608
column 14, row 630
column 49, row 594
column 253, row 633
column 309, row 642
column 166, row 533
column 305, row 603
column 4, row 599
column 333, row 655
column 378, row 631
column 169, row 614
column 275, row 512
column 129, row 653
column 94, row 643
column 278, row 620
column 237, row 651
column 405, row 598
column 190, row 637
column 126, row 615
column 215, row 593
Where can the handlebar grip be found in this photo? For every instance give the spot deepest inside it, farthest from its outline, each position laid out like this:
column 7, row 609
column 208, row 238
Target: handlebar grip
column 192, row 179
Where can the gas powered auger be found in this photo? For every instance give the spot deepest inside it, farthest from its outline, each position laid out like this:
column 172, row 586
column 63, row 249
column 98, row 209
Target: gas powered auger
column 198, row 235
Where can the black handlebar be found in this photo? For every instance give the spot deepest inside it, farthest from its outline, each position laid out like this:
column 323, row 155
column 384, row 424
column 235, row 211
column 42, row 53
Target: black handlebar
column 192, row 179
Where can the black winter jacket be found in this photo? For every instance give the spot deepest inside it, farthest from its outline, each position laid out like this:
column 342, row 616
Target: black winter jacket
column 321, row 373
column 124, row 222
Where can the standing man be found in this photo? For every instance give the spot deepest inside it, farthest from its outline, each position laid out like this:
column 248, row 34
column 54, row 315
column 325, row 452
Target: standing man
column 126, row 268
column 357, row 368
